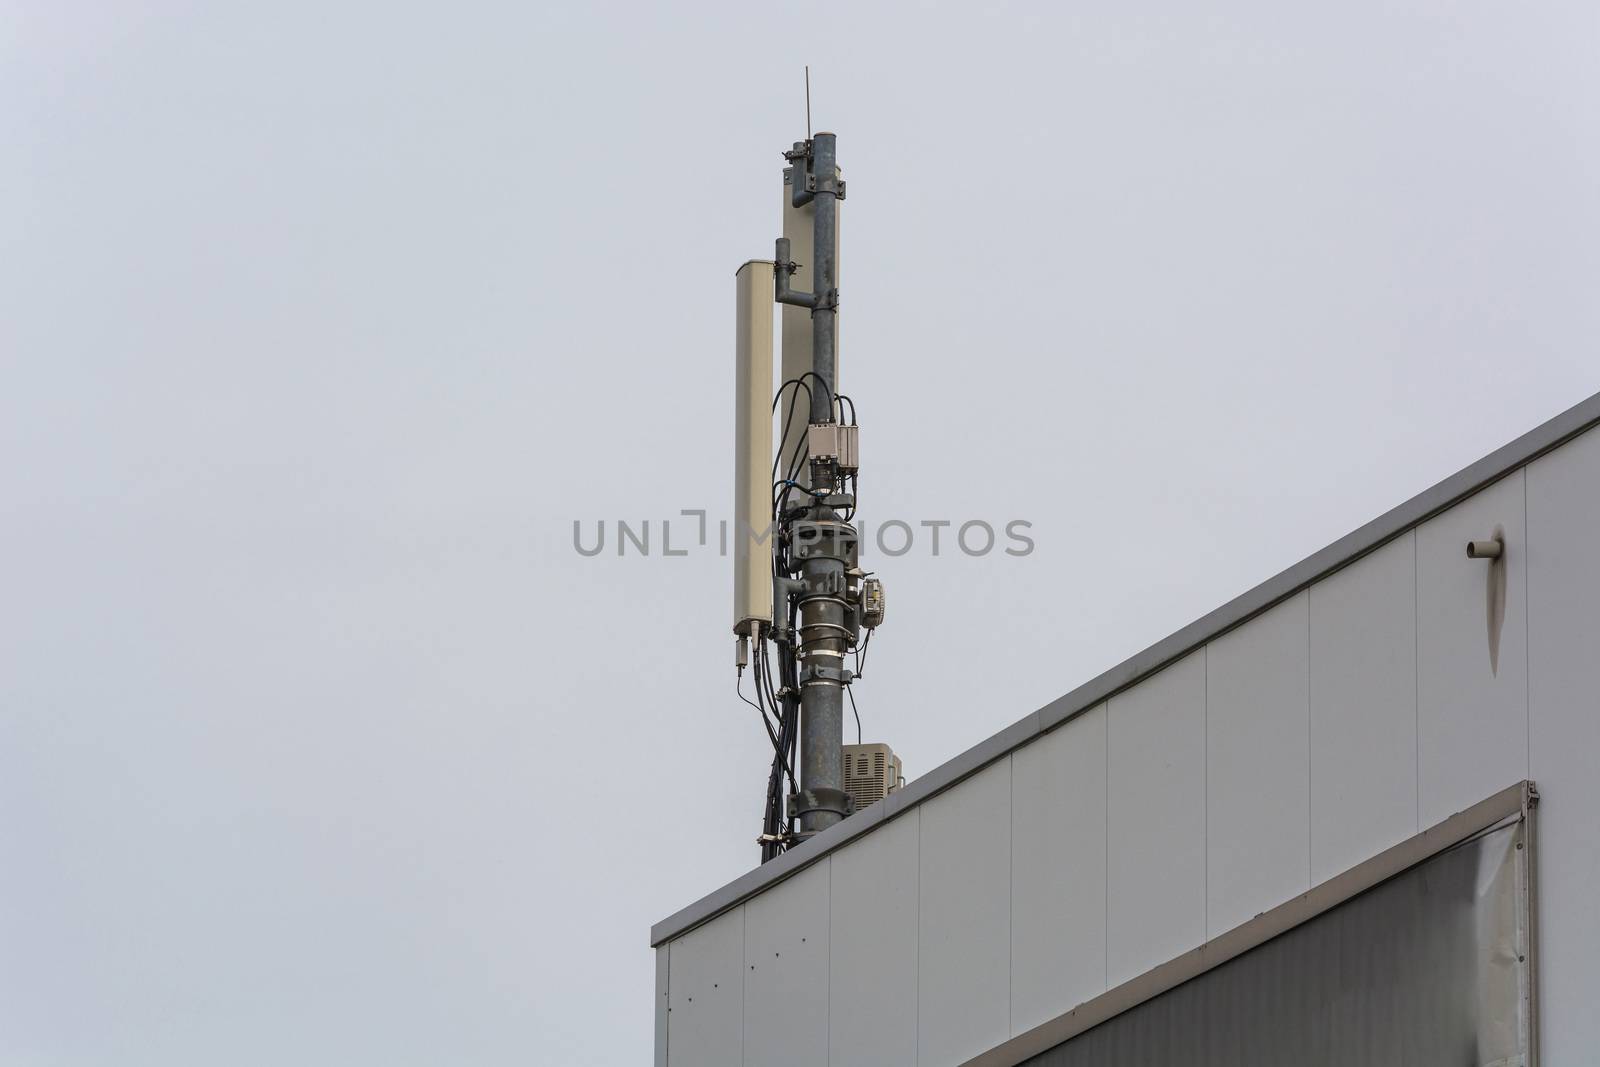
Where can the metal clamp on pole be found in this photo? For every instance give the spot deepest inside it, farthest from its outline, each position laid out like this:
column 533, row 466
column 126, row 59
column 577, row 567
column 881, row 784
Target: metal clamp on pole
column 818, row 800
column 799, row 174
column 819, row 674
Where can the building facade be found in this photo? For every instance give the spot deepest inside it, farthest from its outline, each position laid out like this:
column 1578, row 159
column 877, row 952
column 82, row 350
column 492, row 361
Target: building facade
column 1242, row 792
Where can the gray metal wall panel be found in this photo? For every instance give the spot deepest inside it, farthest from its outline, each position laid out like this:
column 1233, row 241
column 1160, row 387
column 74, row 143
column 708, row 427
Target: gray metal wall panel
column 1475, row 733
column 1058, row 870
column 1156, row 856
column 872, row 953
column 786, row 933
column 1364, row 709
column 662, row 972
column 964, row 925
column 1258, row 767
column 1472, row 716
column 705, row 986
column 1421, row 970
column 1564, row 738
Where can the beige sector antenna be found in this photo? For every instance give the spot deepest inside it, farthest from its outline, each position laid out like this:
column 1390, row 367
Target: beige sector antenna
column 752, row 449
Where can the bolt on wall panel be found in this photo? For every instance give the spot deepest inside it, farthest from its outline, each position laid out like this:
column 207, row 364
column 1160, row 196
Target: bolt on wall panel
column 1258, row 766
column 872, row 952
column 964, row 921
column 705, row 994
column 1363, row 686
column 1564, row 738
column 1058, row 870
column 1156, row 849
column 1472, row 653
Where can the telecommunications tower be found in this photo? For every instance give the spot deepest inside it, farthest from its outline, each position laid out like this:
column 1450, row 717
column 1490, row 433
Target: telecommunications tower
column 803, row 610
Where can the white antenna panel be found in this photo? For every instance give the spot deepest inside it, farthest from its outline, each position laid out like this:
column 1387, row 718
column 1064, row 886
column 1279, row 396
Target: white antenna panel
column 752, row 449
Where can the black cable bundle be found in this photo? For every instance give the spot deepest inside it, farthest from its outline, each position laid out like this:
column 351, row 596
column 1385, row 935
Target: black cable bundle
column 780, row 705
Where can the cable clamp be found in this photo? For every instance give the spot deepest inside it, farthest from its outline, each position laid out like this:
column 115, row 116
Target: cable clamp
column 818, row 674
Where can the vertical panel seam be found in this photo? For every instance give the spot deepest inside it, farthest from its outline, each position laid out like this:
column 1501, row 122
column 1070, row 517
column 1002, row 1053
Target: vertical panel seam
column 827, row 969
column 1105, row 894
column 1416, row 680
column 830, row 960
column 1527, row 634
column 1011, row 905
column 1311, row 763
column 1308, row 736
column 916, row 1035
column 744, row 983
column 1011, row 876
column 1205, row 788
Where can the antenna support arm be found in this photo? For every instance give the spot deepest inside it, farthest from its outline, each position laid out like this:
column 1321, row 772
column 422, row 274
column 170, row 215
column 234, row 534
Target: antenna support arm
column 782, row 292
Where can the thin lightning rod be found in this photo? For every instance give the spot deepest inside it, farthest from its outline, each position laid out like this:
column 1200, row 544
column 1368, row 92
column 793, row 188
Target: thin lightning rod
column 808, row 101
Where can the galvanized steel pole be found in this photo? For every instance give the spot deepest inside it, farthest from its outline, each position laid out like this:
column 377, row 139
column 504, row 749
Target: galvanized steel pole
column 823, row 186
column 826, row 545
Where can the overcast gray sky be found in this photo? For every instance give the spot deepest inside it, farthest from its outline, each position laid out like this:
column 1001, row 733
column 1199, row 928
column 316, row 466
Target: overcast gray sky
column 320, row 324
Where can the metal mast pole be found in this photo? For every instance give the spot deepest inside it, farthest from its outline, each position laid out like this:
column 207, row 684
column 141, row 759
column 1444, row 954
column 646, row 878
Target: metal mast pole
column 823, row 187
column 824, row 546
column 822, row 606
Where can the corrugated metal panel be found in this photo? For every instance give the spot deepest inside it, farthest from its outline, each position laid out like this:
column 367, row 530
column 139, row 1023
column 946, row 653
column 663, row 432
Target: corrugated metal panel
column 1425, row 969
column 1058, row 870
column 1364, row 709
column 1514, row 803
column 964, row 926
column 1564, row 737
column 1156, row 862
column 786, row 972
column 1258, row 767
column 872, row 986
column 1472, row 664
